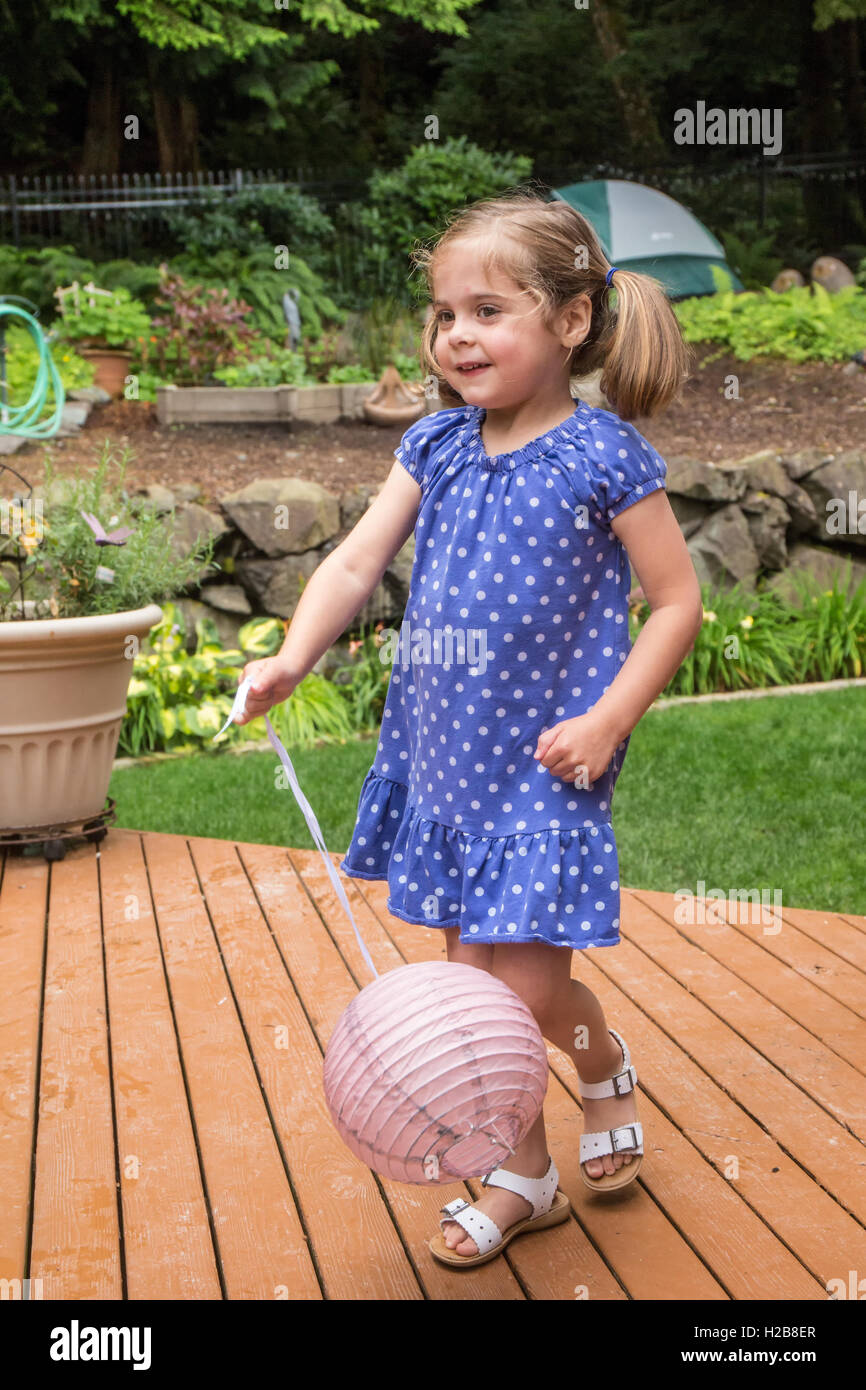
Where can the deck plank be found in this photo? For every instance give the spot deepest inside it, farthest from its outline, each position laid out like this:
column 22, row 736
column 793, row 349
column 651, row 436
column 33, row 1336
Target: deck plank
column 75, row 1244
column 168, row 1249
column 261, row 1245
column 23, row 917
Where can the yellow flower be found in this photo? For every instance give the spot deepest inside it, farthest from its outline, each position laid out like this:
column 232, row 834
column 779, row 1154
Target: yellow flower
column 709, row 616
column 748, row 621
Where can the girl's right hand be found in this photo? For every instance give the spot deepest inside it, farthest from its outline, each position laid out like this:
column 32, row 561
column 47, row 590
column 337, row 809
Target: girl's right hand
column 271, row 684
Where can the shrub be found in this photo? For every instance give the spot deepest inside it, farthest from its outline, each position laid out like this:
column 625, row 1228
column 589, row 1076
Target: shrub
column 803, row 325
column 414, row 201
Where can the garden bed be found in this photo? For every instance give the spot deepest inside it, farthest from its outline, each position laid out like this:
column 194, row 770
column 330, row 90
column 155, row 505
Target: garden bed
column 781, row 406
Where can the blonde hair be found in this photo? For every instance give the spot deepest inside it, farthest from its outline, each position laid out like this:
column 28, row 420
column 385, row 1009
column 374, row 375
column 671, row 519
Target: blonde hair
column 551, row 251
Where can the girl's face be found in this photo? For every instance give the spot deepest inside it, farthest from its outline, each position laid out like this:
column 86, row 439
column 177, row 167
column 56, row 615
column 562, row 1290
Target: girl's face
column 489, row 344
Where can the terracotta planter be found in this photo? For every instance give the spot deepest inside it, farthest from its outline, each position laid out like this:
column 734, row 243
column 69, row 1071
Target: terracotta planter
column 63, row 684
column 112, row 365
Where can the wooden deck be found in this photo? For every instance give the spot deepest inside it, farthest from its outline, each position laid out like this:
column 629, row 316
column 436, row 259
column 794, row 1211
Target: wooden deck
column 164, row 1008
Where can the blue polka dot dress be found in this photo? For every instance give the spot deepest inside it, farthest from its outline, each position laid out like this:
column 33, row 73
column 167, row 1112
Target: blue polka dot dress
column 517, row 618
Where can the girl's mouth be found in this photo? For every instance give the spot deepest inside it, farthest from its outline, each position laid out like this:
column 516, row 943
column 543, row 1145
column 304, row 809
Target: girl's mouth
column 473, row 368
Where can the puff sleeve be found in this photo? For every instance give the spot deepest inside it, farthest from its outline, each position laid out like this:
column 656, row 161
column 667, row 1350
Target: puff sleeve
column 426, row 443
column 623, row 467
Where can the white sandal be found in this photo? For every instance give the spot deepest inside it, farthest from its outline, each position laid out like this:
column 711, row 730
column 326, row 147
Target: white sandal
column 549, row 1207
column 624, row 1139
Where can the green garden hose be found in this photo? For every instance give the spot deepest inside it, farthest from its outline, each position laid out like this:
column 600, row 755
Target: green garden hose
column 26, row 419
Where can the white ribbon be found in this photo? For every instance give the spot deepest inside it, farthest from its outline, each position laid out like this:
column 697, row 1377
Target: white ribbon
column 309, row 815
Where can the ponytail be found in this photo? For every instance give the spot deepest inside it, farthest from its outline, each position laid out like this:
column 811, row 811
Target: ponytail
column 646, row 360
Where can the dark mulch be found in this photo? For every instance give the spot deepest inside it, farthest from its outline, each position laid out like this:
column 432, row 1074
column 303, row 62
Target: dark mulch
column 780, row 406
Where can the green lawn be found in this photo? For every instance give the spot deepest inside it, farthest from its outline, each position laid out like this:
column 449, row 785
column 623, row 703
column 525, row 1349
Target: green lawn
column 747, row 794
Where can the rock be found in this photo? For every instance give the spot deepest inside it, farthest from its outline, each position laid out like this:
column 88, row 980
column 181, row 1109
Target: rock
column 689, row 513
column 704, row 482
column 820, row 561
column 284, row 516
column 227, row 625
column 228, row 598
column 94, row 394
column 11, row 443
column 723, row 552
column 805, row 461
column 398, row 575
column 787, row 280
column 187, row 492
column 765, row 472
column 838, row 491
column 161, row 498
column 190, row 521
column 355, row 502
column 831, row 274
column 768, row 520
column 276, row 585
column 74, row 415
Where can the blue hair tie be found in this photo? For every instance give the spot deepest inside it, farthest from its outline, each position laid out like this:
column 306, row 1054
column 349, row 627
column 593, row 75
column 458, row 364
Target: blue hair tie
column 610, row 273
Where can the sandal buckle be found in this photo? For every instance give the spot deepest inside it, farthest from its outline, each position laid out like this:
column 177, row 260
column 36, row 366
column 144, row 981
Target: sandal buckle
column 620, row 1129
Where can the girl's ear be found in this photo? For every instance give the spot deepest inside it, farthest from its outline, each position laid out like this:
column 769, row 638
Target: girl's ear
column 574, row 321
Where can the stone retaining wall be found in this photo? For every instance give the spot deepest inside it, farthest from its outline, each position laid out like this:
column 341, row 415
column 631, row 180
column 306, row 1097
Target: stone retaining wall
column 756, row 520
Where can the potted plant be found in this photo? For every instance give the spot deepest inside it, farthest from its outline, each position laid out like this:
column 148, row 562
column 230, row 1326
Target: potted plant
column 97, row 562
column 104, row 325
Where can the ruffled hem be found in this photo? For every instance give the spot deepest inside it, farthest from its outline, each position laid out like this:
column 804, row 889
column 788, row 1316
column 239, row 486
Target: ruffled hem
column 557, row 886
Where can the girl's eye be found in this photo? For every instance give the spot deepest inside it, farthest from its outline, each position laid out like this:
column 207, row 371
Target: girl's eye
column 444, row 314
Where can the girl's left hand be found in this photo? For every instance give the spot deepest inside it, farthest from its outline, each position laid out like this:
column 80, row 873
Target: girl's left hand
column 583, row 745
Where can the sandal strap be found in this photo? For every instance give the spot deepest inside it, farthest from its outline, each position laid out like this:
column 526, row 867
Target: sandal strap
column 623, row 1139
column 618, row 1085
column 540, row 1192
column 479, row 1227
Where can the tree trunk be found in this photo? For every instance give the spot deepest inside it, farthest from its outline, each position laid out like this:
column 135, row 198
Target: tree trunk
column 175, row 116
column 829, row 205
column 371, row 92
column 100, row 152
column 637, row 111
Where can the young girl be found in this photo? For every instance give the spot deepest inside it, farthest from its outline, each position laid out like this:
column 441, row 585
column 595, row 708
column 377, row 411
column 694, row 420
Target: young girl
column 488, row 805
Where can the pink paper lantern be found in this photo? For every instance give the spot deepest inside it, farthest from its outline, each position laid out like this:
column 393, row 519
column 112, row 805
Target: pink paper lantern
column 435, row 1072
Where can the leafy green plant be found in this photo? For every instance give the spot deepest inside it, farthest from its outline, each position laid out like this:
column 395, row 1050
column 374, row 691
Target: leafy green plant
column 831, row 628
column 749, row 251
column 414, row 201
column 751, row 641
column 271, row 366
column 255, row 278
column 177, row 700
column 22, row 364
column 56, row 553
column 114, row 319
column 237, row 221
column 802, row 325
column 202, row 329
column 366, row 680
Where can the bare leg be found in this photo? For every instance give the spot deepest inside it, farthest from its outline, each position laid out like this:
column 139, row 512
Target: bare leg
column 570, row 1016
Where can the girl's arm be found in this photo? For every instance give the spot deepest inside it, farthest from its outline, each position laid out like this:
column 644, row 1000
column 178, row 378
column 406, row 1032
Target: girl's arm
column 657, row 551
column 341, row 585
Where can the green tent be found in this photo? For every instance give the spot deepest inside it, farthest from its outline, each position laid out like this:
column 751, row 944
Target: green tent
column 645, row 230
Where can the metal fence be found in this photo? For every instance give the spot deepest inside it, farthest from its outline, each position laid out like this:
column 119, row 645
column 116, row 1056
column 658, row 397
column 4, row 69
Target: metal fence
column 119, row 213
